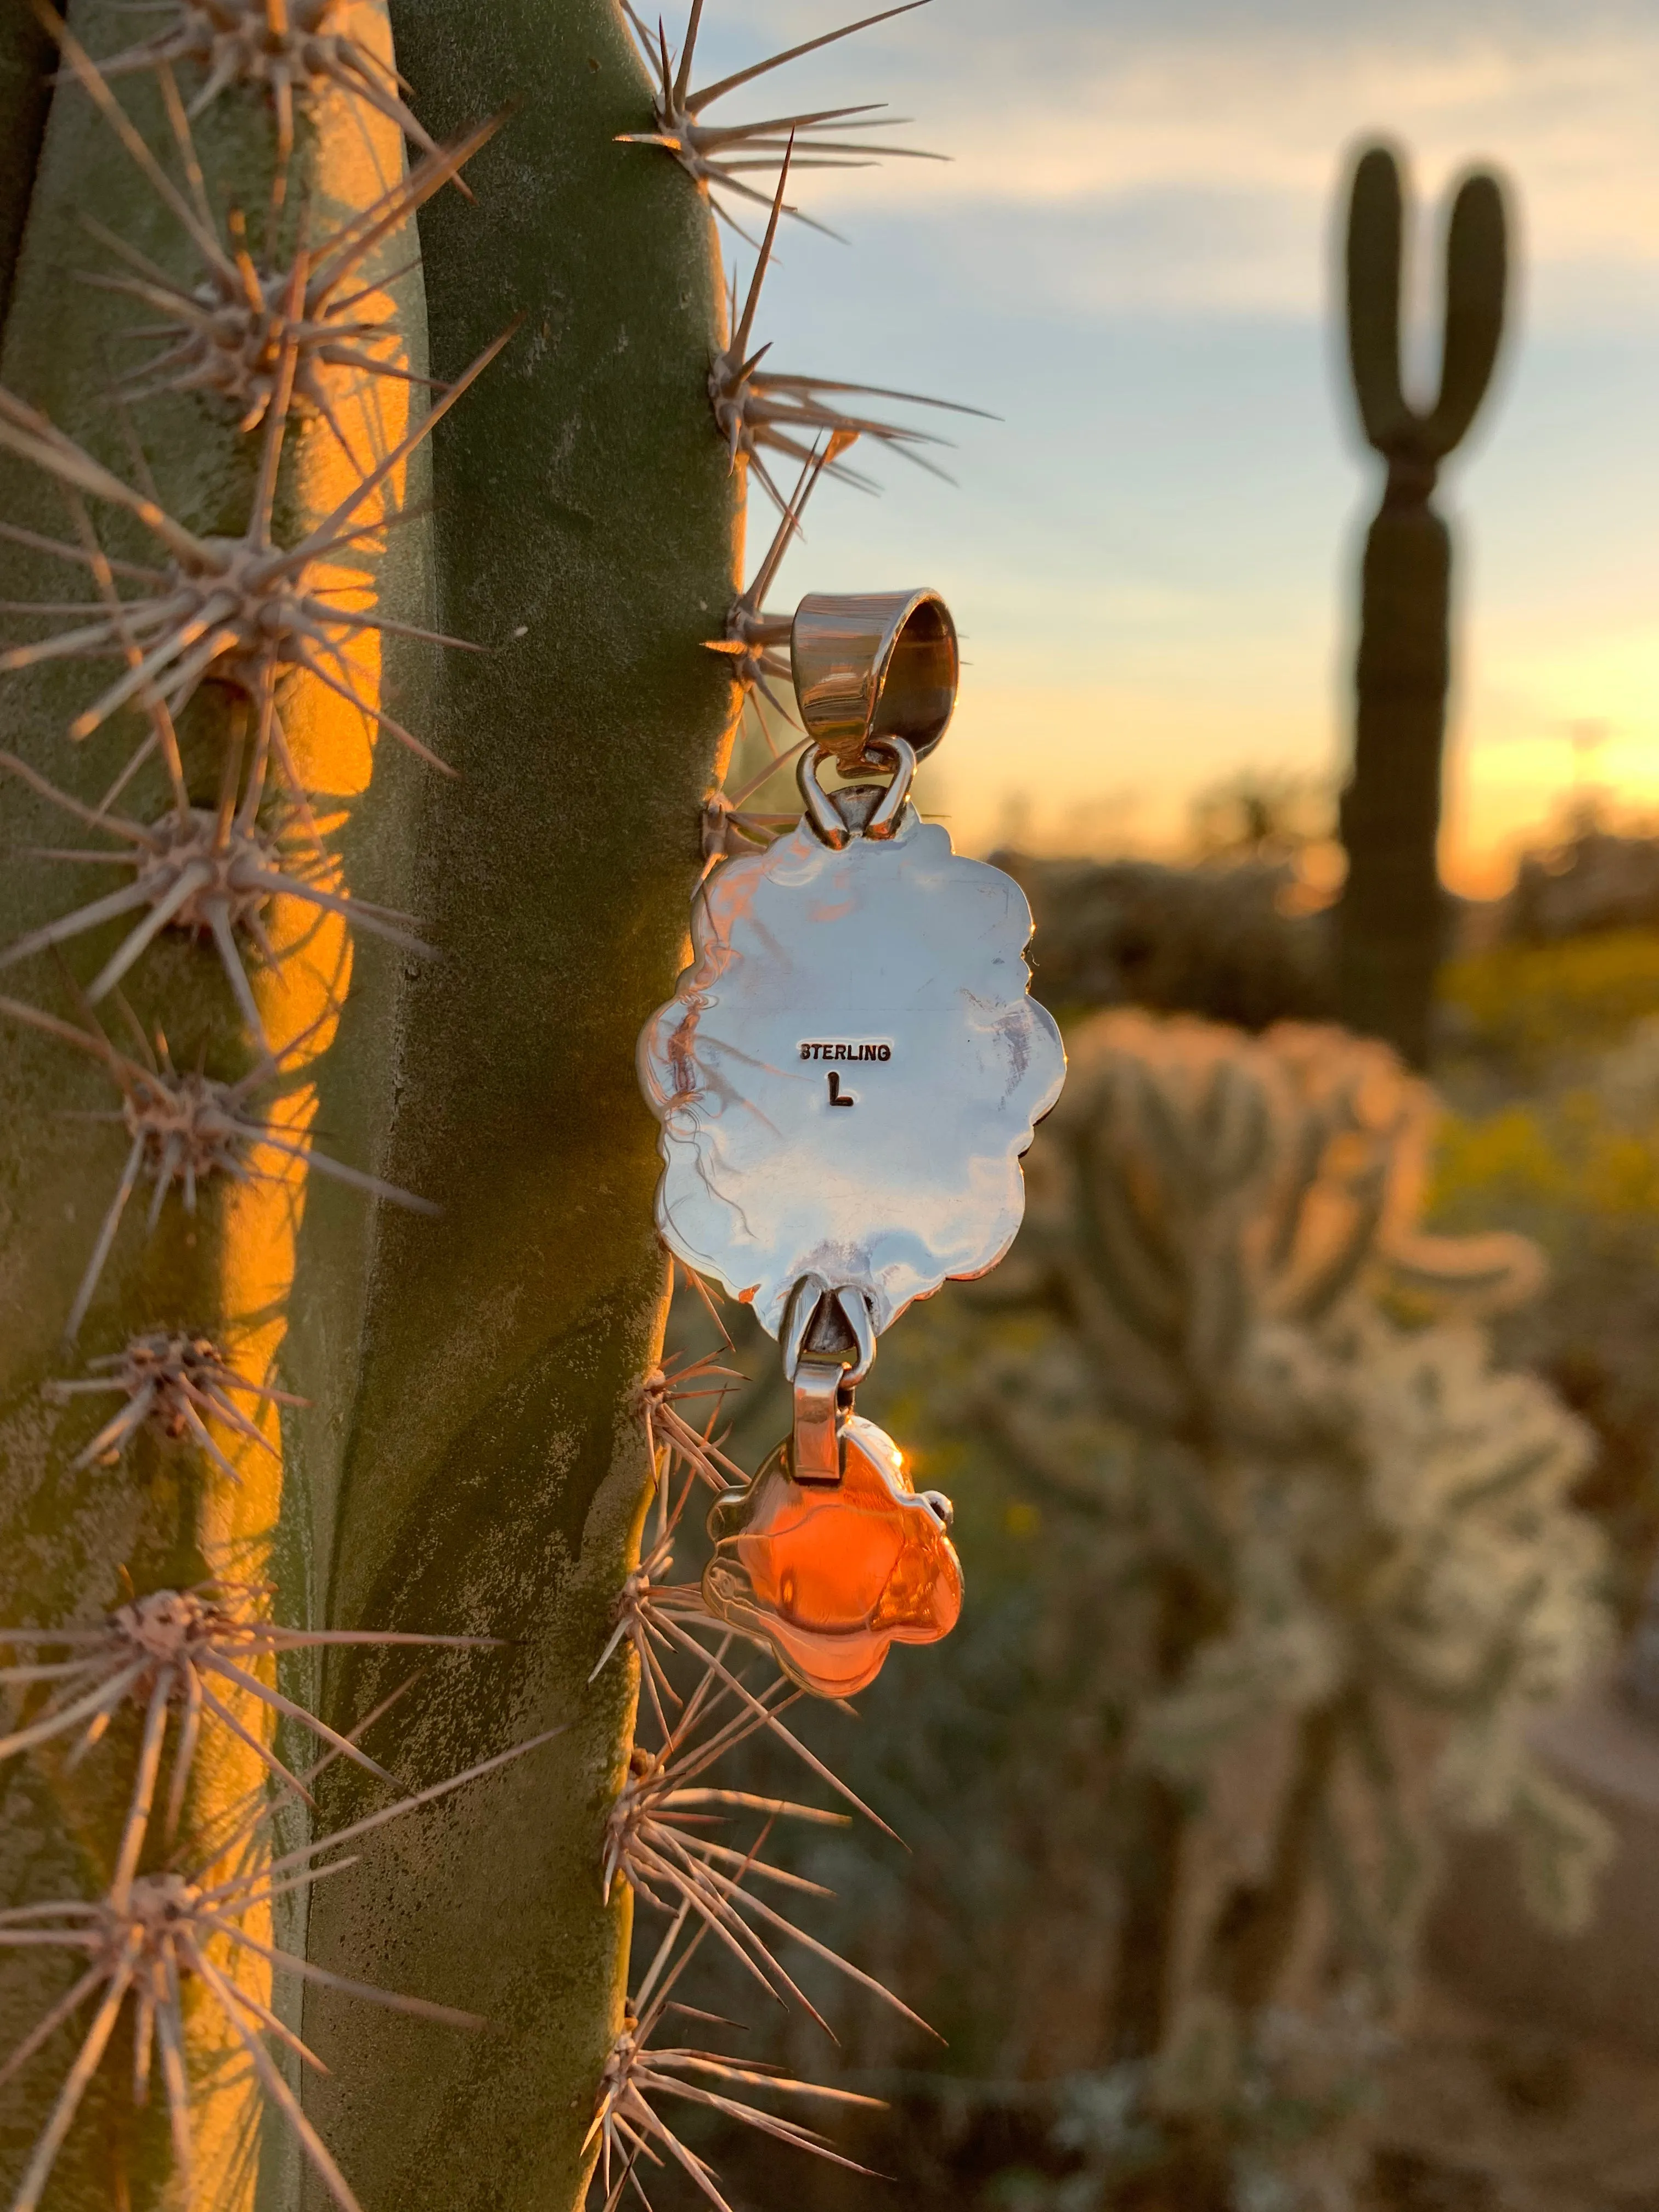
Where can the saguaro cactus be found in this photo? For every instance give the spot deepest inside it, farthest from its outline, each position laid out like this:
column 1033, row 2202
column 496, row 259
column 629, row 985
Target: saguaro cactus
column 359, row 853
column 1391, row 919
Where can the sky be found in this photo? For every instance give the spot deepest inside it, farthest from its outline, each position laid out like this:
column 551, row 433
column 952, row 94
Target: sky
column 1130, row 259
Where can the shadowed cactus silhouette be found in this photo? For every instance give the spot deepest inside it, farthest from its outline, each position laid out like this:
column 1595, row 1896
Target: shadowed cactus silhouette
column 1391, row 918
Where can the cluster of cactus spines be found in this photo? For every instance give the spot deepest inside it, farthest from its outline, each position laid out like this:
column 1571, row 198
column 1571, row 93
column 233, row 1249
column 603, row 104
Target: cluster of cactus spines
column 175, row 1652
column 662, row 1393
column 185, row 1130
column 267, row 540
column 718, row 157
column 1350, row 1515
column 657, row 1842
column 174, row 1385
column 226, row 330
column 194, row 870
column 156, row 1938
column 756, row 644
column 762, row 411
column 1391, row 920
column 239, row 610
column 639, row 2075
column 755, row 647
column 291, row 53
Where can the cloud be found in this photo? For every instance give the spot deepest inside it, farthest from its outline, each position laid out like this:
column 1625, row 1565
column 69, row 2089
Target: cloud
column 1196, row 146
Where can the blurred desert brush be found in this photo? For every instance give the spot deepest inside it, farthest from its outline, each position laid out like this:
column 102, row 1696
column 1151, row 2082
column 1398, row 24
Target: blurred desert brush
column 1516, row 1012
column 1234, row 942
column 1557, row 1166
column 1555, row 1133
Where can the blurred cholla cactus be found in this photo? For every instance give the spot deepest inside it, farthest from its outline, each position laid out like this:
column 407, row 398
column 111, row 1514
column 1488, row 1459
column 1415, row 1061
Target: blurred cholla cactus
column 1365, row 1565
column 1269, row 1567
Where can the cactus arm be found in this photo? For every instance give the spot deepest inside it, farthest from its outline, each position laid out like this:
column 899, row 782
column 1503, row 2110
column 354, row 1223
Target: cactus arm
column 26, row 61
column 472, row 1447
column 1375, row 216
column 496, row 1466
column 1477, row 269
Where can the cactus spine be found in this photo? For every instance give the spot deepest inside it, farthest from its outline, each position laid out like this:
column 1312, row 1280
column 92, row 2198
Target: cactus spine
column 1391, row 918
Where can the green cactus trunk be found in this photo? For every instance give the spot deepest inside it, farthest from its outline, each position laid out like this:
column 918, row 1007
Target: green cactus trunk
column 497, row 1465
column 1392, row 919
column 470, row 1458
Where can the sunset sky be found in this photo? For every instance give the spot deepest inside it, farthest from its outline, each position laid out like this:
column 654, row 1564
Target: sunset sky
column 1130, row 259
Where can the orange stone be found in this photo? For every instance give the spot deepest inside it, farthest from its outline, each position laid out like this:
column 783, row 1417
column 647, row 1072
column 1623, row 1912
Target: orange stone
column 833, row 1575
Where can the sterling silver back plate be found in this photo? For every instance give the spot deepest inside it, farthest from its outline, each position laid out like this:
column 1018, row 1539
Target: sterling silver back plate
column 849, row 1071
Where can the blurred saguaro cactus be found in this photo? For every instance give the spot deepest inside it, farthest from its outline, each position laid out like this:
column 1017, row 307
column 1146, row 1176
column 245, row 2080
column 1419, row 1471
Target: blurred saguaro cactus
column 1391, row 919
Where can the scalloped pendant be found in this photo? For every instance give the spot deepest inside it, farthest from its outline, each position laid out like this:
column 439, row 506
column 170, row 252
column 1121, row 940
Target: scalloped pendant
column 848, row 1077
column 850, row 1070
column 833, row 1575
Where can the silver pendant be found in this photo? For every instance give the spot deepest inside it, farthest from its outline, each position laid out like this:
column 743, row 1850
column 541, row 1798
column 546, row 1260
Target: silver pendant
column 847, row 1076
column 852, row 1067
